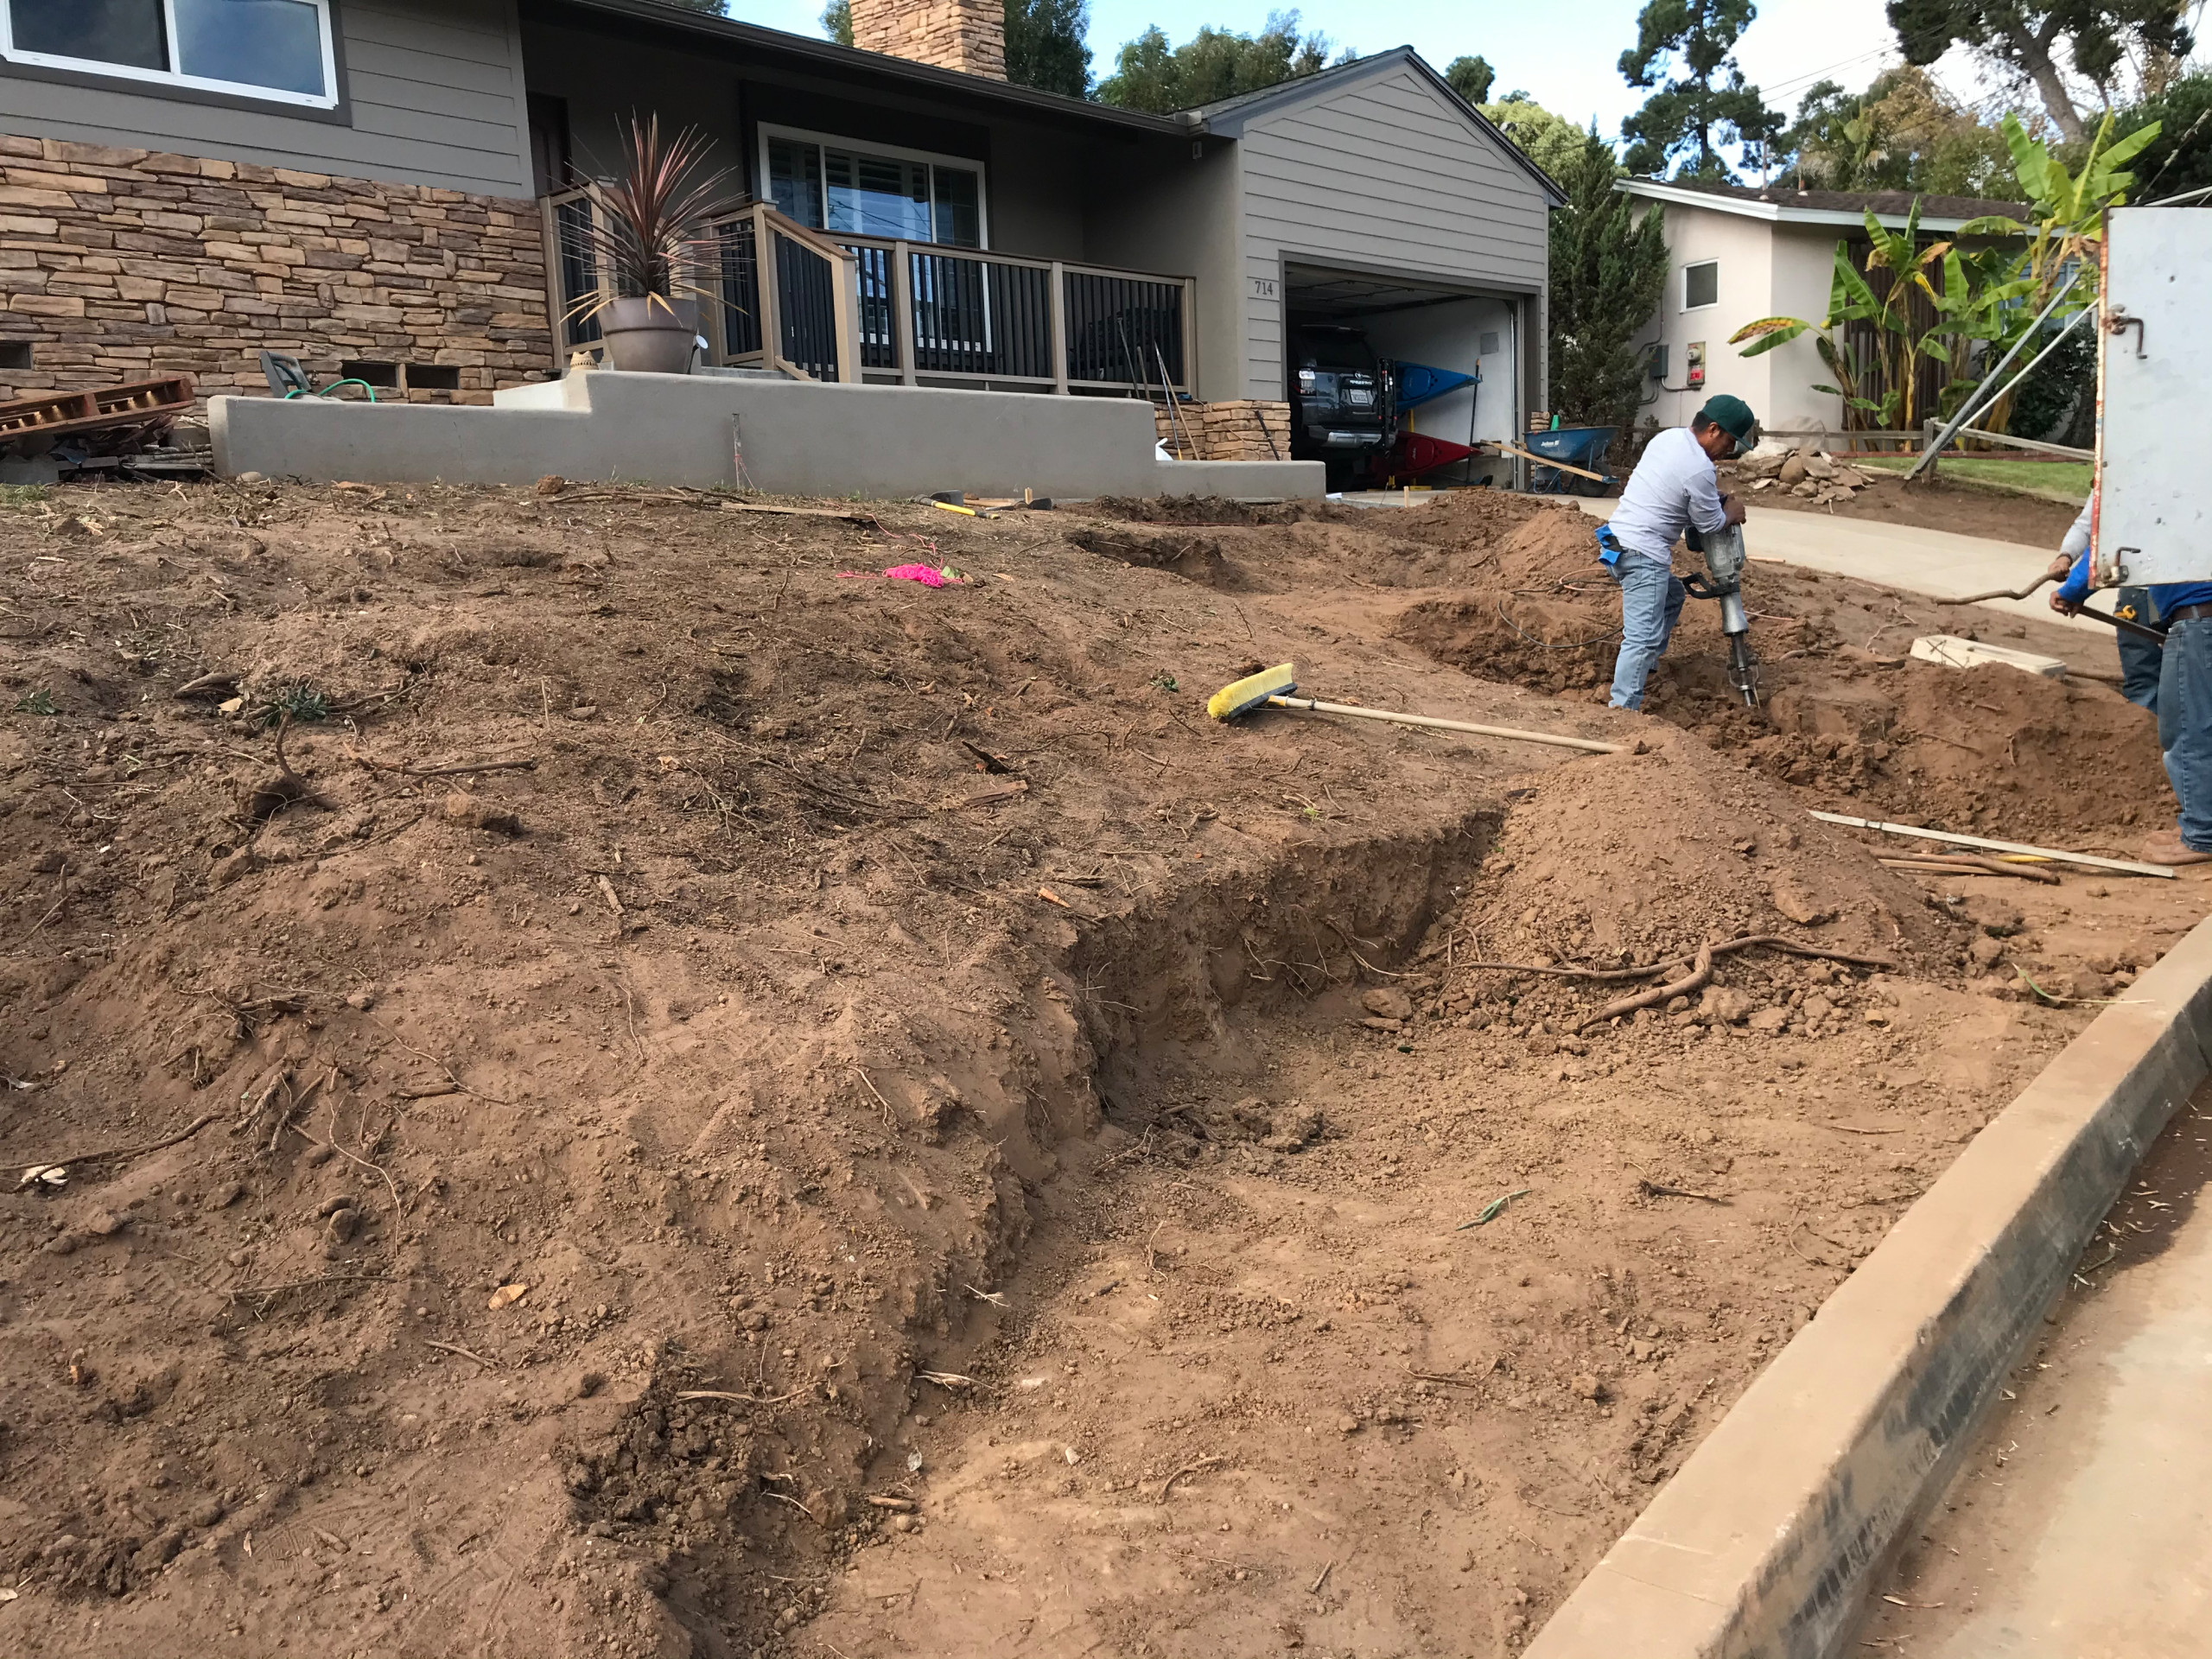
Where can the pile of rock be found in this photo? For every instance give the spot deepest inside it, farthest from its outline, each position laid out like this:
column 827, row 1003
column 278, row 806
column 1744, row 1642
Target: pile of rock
column 1803, row 470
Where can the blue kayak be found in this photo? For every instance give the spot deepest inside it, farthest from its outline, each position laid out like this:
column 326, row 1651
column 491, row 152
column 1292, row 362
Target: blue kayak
column 1418, row 383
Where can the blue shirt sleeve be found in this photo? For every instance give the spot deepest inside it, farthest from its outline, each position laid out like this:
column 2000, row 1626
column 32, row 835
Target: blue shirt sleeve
column 2075, row 589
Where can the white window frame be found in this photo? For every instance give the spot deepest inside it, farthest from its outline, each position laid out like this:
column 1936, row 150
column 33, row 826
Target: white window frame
column 1700, row 265
column 329, row 100
column 896, row 152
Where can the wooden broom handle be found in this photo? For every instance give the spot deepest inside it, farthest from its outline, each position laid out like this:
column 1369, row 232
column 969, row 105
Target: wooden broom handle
column 1590, row 744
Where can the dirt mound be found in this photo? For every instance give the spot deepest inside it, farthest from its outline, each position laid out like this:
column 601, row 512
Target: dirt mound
column 1846, row 717
column 1596, row 869
column 529, row 1187
column 1214, row 510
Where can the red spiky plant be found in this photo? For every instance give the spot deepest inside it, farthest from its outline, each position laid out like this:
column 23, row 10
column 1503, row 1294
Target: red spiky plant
column 649, row 227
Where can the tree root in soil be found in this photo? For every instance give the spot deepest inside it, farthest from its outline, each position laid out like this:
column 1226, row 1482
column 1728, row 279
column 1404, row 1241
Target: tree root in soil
column 1772, row 941
column 1701, row 972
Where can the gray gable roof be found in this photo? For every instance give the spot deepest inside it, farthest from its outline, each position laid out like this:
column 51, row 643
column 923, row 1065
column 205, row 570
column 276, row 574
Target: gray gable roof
column 1230, row 115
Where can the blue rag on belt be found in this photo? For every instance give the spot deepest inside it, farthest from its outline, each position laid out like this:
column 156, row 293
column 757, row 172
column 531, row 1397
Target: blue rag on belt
column 1609, row 549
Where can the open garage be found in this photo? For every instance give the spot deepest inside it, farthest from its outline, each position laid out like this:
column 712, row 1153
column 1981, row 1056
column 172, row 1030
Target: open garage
column 1457, row 331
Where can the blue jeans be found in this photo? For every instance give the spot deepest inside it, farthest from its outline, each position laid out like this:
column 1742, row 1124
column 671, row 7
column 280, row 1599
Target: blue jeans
column 2185, row 725
column 2139, row 659
column 1651, row 603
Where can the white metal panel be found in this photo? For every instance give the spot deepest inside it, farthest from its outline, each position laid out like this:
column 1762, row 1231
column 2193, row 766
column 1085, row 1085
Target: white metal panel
column 2153, row 481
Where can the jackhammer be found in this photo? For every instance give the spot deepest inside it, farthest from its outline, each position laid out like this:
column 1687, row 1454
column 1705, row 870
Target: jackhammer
column 1724, row 558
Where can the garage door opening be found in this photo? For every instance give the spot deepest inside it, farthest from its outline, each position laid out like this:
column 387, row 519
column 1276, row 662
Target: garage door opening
column 1341, row 322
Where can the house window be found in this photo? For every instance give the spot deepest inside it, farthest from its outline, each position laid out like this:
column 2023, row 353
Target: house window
column 279, row 50
column 898, row 194
column 1700, row 285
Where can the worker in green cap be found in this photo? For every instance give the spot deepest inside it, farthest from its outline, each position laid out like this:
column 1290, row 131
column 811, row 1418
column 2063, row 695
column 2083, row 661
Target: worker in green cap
column 1673, row 489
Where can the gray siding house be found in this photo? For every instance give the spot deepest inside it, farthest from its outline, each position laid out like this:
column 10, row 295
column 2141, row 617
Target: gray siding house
column 379, row 186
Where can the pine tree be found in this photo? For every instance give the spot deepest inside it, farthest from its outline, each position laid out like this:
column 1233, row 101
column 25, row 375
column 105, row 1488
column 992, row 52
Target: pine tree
column 1470, row 77
column 1708, row 102
column 1045, row 45
column 2038, row 42
column 1609, row 268
column 1213, row 64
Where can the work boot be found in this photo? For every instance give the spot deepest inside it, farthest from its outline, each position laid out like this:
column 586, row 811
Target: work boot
column 2168, row 847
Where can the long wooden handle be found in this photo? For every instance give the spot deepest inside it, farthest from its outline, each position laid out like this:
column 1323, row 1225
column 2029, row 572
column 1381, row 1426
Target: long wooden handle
column 1545, row 460
column 2127, row 865
column 1553, row 739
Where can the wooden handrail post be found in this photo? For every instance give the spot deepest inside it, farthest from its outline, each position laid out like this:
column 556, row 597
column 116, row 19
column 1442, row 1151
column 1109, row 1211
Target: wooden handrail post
column 845, row 308
column 902, row 310
column 770, row 302
column 1059, row 313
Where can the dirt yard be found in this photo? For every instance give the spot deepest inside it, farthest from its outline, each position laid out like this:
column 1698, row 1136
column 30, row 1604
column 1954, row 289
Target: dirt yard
column 589, row 1076
column 1951, row 502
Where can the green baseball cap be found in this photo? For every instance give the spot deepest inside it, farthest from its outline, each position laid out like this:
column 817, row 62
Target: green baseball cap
column 1732, row 415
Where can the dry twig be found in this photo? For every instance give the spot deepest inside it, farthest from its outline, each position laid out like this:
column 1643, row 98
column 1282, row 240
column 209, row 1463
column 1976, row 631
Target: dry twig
column 114, row 1154
column 466, row 1353
column 743, row 1399
column 1198, row 1466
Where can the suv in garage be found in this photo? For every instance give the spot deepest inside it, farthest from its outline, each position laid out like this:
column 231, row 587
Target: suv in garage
column 1343, row 399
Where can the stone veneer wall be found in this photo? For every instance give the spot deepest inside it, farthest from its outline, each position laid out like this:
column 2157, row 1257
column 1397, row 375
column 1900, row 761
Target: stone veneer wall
column 122, row 265
column 969, row 36
column 1234, row 430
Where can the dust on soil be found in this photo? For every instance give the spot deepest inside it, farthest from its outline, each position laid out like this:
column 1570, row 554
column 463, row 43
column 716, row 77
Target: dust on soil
column 909, row 1054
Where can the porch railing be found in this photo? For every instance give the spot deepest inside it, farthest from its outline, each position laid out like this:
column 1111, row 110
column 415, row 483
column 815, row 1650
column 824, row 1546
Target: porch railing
column 802, row 321
column 858, row 307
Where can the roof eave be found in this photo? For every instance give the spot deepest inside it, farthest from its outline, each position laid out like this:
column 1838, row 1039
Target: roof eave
column 1775, row 213
column 852, row 60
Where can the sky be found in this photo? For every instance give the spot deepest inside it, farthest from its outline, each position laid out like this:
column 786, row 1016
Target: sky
column 1564, row 54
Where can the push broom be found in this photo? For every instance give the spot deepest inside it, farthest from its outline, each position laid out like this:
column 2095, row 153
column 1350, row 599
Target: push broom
column 1271, row 687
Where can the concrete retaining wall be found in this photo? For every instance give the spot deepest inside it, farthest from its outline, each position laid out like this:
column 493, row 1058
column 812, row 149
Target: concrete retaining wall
column 1766, row 1542
column 796, row 438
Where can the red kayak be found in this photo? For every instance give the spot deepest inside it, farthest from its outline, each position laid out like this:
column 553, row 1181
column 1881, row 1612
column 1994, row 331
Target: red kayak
column 1416, row 452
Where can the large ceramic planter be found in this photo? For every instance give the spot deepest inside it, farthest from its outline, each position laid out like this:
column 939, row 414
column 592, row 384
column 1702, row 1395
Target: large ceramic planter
column 649, row 336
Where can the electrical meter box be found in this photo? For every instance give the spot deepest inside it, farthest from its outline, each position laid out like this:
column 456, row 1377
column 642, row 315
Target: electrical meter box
column 2154, row 365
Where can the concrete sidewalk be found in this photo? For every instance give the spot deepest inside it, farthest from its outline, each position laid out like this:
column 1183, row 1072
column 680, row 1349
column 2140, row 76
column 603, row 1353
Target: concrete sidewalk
column 1935, row 562
column 2078, row 1531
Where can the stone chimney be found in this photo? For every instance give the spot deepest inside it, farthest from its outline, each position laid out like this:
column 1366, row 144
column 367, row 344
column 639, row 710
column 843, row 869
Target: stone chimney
column 969, row 36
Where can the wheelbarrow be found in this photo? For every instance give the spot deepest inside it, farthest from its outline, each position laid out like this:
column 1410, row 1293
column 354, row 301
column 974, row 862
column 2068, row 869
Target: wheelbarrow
column 1582, row 448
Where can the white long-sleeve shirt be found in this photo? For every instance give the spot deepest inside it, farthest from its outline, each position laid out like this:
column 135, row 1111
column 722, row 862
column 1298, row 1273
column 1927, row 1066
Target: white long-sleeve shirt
column 2077, row 533
column 1673, row 487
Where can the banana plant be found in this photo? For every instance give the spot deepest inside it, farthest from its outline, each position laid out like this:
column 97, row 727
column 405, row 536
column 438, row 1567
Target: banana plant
column 1880, row 381
column 1980, row 296
column 2069, row 208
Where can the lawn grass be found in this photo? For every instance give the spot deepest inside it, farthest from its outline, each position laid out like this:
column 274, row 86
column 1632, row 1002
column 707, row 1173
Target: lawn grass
column 2054, row 480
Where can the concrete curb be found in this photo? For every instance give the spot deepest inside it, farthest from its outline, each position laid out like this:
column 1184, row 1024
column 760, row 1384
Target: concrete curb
column 1763, row 1543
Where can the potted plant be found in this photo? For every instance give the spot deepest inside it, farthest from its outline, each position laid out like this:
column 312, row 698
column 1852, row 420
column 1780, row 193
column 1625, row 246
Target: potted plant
column 646, row 234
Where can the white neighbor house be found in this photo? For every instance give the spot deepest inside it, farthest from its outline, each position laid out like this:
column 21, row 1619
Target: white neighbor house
column 1738, row 254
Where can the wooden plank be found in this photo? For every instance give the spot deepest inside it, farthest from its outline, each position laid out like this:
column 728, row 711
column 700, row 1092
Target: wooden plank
column 57, row 414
